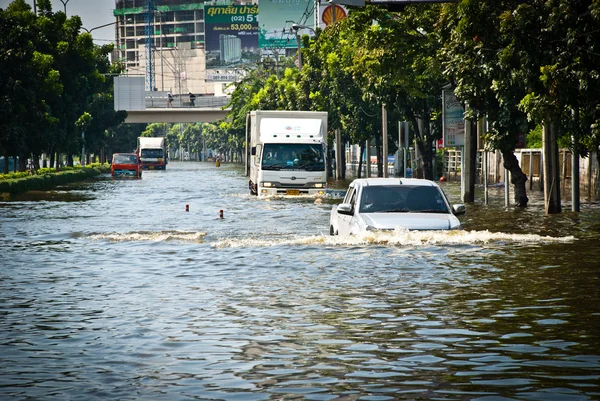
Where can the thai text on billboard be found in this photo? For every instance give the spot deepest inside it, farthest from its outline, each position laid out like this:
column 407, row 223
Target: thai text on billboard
column 231, row 36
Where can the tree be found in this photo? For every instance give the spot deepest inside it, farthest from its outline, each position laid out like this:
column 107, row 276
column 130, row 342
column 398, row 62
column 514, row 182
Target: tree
column 27, row 78
column 524, row 63
column 472, row 51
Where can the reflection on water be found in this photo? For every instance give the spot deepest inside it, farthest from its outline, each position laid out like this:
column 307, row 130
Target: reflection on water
column 123, row 294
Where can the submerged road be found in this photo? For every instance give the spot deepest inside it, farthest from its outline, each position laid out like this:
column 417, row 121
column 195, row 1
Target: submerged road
column 110, row 290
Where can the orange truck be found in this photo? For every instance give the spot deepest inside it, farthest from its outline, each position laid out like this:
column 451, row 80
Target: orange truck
column 126, row 165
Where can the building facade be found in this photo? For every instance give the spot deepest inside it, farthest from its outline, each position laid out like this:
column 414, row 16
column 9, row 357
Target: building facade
column 175, row 59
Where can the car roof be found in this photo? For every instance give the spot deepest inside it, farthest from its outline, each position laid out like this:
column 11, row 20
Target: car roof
column 366, row 182
column 125, row 154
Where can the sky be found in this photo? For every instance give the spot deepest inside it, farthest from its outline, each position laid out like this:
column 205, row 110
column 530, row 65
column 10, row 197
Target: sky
column 93, row 13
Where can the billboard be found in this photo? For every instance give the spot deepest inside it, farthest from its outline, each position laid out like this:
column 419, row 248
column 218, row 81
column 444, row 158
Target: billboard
column 276, row 20
column 231, row 38
column 453, row 122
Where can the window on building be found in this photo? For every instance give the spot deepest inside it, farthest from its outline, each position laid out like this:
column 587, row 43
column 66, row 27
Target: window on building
column 185, row 16
column 184, row 28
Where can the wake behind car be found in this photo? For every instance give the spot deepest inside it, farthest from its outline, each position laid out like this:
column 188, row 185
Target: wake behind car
column 126, row 165
column 386, row 204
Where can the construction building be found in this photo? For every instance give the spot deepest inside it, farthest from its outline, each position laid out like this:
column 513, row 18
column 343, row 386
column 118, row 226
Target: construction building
column 163, row 40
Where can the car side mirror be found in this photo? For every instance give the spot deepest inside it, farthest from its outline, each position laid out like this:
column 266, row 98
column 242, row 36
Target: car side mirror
column 345, row 208
column 457, row 210
column 253, row 151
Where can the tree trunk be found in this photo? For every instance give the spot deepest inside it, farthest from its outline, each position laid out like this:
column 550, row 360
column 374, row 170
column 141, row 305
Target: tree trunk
column 551, row 170
column 5, row 167
column 22, row 162
column 425, row 166
column 518, row 178
column 36, row 162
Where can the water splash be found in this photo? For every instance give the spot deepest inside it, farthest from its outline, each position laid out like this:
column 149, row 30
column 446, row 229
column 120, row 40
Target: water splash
column 149, row 236
column 398, row 237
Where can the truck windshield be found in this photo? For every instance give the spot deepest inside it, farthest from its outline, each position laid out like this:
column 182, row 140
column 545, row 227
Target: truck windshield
column 151, row 153
column 124, row 159
column 293, row 156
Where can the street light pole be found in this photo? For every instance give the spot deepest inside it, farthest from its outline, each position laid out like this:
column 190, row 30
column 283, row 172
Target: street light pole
column 297, row 27
column 299, row 50
column 64, row 4
column 97, row 27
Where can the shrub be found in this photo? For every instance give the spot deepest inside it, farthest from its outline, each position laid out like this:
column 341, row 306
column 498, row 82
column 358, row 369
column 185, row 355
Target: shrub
column 47, row 180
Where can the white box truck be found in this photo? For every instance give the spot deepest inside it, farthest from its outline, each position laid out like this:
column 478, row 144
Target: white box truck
column 153, row 153
column 287, row 152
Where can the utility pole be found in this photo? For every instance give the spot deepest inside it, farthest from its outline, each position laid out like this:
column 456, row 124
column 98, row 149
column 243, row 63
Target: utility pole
column 338, row 154
column 316, row 14
column 385, row 140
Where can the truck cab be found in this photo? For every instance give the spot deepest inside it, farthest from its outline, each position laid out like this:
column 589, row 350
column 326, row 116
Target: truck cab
column 126, row 165
column 153, row 154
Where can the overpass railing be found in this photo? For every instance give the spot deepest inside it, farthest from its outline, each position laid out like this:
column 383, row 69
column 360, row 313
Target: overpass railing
column 159, row 99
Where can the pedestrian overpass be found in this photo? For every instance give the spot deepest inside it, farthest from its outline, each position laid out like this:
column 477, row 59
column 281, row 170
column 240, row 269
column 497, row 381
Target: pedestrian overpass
column 157, row 107
column 176, row 115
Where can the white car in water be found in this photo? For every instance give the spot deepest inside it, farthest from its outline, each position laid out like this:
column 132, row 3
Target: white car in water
column 386, row 204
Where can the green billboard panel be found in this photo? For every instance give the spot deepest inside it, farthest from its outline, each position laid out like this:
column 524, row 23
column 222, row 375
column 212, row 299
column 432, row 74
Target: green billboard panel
column 277, row 18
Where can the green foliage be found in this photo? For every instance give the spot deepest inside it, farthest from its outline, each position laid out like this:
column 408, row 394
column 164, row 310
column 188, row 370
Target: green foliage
column 350, row 69
column 52, row 84
column 534, row 137
column 526, row 62
column 48, row 180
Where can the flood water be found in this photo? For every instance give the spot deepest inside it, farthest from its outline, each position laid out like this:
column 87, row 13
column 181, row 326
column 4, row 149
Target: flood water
column 110, row 290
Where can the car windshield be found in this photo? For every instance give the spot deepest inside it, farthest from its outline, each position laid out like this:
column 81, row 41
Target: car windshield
column 152, row 153
column 402, row 199
column 124, row 159
column 293, row 156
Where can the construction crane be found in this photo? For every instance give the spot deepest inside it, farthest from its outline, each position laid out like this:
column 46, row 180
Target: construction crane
column 150, row 46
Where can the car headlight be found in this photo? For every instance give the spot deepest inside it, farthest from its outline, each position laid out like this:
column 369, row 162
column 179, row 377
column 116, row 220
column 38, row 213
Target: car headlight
column 319, row 185
column 266, row 184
